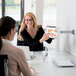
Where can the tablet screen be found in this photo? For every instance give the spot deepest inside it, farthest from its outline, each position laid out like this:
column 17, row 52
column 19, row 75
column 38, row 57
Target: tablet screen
column 52, row 31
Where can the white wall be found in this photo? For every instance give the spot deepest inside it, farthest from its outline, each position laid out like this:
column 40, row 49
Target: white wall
column 27, row 6
column 66, row 20
column 39, row 11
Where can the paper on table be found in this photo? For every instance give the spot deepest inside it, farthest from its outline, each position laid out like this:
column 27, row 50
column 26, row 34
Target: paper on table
column 63, row 62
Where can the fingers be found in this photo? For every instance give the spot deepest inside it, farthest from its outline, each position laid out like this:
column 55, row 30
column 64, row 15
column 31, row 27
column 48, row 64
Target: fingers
column 46, row 36
column 32, row 69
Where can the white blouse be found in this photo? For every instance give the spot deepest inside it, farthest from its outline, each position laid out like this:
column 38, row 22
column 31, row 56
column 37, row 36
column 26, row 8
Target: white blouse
column 7, row 41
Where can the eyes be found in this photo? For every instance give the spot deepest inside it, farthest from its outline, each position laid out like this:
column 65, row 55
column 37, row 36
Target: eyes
column 27, row 20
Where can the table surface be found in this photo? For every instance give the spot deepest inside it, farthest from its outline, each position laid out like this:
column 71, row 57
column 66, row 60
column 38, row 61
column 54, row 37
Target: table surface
column 46, row 67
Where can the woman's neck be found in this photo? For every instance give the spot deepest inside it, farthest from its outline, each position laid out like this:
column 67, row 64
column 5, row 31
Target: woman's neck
column 6, row 37
column 32, row 32
column 30, row 29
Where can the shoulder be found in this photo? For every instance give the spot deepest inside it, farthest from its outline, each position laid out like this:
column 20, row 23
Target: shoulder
column 14, row 53
column 40, row 27
column 13, row 49
column 24, row 32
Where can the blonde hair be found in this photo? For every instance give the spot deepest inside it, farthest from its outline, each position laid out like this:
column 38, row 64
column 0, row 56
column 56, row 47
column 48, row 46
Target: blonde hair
column 24, row 26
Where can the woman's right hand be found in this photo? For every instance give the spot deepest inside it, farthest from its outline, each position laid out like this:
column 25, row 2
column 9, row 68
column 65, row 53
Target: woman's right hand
column 32, row 70
column 44, row 37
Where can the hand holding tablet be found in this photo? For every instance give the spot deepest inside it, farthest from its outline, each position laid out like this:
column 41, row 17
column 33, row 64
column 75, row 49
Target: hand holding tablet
column 52, row 31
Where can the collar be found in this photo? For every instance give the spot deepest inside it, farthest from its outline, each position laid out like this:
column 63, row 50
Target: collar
column 7, row 41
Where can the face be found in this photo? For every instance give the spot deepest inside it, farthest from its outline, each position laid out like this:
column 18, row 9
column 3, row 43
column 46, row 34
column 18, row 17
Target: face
column 29, row 22
column 13, row 31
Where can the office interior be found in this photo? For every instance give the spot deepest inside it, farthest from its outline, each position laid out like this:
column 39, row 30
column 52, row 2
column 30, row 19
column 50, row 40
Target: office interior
column 62, row 15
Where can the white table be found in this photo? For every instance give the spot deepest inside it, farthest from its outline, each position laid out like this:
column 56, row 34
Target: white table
column 40, row 65
column 48, row 68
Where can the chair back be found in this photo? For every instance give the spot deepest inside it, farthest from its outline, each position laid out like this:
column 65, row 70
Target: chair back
column 4, row 70
column 20, row 42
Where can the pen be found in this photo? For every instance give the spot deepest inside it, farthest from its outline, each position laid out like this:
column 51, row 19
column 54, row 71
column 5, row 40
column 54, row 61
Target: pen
column 45, row 56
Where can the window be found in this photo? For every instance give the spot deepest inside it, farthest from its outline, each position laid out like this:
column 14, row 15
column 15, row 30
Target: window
column 49, row 12
column 33, row 6
column 12, row 8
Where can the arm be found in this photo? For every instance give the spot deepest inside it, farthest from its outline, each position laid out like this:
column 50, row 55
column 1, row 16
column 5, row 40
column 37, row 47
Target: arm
column 45, row 37
column 38, row 43
column 49, row 40
column 23, row 65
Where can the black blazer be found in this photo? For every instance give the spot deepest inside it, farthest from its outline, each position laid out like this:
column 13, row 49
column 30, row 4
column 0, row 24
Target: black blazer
column 33, row 43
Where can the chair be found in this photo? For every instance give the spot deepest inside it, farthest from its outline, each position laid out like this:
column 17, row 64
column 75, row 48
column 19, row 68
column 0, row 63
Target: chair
column 4, row 70
column 19, row 43
column 46, row 53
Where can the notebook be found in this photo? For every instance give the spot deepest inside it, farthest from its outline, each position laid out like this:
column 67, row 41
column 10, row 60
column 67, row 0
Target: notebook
column 26, row 51
column 63, row 62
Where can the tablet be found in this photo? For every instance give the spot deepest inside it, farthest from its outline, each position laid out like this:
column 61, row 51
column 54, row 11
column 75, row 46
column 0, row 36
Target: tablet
column 52, row 31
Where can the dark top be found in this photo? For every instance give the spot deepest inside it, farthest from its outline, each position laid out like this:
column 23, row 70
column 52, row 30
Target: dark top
column 33, row 43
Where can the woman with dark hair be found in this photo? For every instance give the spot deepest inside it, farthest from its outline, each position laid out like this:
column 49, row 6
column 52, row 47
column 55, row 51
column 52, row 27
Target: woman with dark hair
column 17, row 58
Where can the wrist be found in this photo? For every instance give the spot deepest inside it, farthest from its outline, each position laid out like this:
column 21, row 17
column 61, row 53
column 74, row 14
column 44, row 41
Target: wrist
column 40, row 40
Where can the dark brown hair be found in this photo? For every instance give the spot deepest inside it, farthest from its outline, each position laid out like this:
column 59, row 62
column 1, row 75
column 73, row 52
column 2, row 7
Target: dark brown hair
column 6, row 24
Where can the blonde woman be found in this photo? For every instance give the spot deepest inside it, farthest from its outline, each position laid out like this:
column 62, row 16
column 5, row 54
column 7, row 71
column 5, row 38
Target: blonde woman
column 31, row 34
